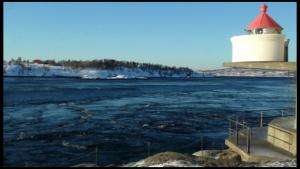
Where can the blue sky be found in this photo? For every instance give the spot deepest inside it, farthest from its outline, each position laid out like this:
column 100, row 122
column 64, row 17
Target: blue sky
column 196, row 35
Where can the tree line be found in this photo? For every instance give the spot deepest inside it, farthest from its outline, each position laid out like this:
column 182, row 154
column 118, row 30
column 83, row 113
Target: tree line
column 103, row 64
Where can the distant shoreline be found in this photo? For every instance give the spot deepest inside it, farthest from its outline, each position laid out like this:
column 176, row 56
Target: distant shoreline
column 37, row 70
column 149, row 78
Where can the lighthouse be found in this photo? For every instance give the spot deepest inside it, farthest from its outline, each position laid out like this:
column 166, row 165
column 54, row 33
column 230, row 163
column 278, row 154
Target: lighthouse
column 264, row 41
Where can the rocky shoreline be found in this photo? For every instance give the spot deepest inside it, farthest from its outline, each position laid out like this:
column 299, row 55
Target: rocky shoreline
column 204, row 158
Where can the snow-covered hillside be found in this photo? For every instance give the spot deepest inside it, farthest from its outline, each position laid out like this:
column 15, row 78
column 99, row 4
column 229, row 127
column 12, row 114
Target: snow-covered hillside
column 61, row 71
column 42, row 70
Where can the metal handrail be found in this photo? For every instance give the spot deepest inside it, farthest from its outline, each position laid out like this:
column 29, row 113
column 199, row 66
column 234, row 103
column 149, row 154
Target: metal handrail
column 235, row 126
column 236, row 131
column 262, row 122
column 280, row 139
column 273, row 136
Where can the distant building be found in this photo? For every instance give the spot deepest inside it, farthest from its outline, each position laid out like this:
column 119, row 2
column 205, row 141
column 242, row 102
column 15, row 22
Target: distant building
column 264, row 41
column 37, row 61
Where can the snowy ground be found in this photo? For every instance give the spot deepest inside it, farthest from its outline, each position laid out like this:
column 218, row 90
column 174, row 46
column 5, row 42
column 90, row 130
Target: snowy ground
column 124, row 73
column 288, row 163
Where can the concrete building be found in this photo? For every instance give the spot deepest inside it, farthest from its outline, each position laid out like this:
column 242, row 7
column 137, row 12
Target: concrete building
column 263, row 42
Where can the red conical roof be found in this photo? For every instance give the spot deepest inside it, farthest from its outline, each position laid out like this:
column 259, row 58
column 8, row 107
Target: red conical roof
column 263, row 20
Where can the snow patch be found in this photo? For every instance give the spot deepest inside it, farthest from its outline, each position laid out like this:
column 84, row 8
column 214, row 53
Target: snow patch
column 288, row 163
column 175, row 163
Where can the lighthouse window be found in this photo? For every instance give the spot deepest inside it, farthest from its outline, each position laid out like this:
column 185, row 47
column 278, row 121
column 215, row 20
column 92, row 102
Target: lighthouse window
column 259, row 31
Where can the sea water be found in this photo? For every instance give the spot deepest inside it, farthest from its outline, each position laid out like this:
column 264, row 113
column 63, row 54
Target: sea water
column 68, row 121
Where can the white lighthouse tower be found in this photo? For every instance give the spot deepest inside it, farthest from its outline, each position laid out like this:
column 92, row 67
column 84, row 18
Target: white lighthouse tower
column 264, row 41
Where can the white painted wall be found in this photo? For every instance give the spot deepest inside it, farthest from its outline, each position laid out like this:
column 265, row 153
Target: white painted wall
column 258, row 47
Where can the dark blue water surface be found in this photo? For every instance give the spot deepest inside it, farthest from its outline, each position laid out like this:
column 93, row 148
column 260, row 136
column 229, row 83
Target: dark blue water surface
column 62, row 121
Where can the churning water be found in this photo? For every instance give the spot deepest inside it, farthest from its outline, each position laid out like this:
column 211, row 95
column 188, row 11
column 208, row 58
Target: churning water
column 64, row 121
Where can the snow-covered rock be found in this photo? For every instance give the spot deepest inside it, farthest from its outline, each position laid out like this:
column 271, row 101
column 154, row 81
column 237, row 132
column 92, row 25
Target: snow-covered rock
column 287, row 163
column 118, row 77
column 89, row 77
column 86, row 165
column 206, row 158
column 166, row 159
column 171, row 163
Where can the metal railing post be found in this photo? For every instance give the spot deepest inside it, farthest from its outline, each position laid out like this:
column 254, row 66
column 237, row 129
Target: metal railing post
column 229, row 129
column 201, row 142
column 148, row 143
column 250, row 135
column 248, row 139
column 237, row 131
column 97, row 158
column 261, row 119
